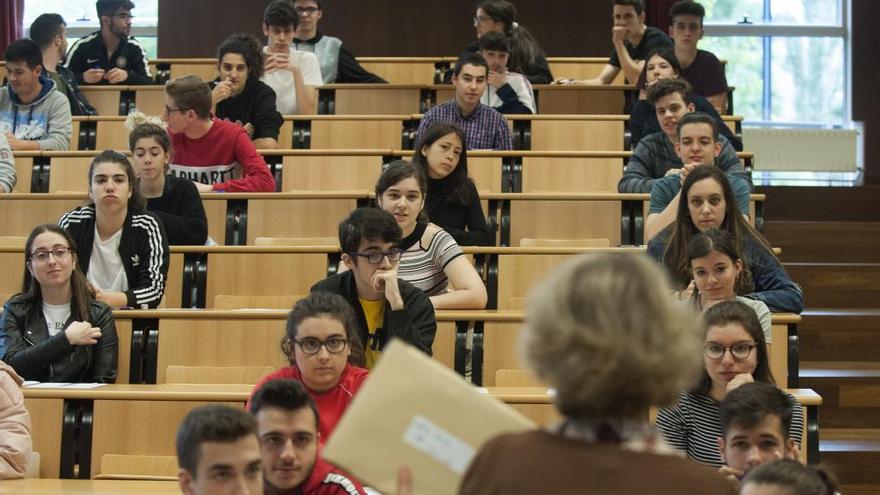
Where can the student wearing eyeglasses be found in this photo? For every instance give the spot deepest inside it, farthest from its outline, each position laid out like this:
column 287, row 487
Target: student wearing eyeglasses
column 338, row 65
column 431, row 260
column 385, row 306
column 734, row 353
column 325, row 354
column 55, row 330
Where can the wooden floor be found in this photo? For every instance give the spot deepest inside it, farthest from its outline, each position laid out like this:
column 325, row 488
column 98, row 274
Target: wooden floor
column 831, row 247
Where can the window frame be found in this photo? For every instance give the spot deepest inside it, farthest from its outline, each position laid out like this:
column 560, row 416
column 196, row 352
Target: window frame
column 766, row 31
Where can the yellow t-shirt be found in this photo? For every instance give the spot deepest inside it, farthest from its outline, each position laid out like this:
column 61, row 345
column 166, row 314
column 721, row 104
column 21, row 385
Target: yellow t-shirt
column 374, row 312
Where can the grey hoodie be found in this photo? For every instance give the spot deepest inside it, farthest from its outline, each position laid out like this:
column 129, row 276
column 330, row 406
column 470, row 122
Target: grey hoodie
column 45, row 120
column 7, row 166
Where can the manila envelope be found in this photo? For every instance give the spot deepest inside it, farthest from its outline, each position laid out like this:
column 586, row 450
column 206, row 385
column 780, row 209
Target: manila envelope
column 414, row 411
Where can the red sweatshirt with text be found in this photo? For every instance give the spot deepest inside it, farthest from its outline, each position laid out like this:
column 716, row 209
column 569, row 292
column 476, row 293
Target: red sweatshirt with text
column 225, row 157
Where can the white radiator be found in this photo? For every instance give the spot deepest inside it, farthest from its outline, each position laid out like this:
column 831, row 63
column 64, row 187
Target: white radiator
column 802, row 150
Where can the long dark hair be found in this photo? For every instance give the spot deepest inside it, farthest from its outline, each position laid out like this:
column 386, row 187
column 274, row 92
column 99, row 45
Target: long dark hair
column 703, row 243
column 324, row 304
column 82, row 293
column 397, row 171
column 728, row 312
column 524, row 50
column 455, row 185
column 683, row 229
column 136, row 202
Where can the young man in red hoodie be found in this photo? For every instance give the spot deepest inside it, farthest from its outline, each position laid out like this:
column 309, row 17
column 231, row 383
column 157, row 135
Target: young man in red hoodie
column 217, row 155
column 287, row 425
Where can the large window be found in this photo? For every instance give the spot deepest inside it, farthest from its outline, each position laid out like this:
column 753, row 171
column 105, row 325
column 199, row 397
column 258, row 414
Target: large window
column 787, row 59
column 82, row 19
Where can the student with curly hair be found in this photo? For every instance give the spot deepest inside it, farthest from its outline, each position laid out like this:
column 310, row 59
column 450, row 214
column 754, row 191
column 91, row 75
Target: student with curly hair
column 238, row 94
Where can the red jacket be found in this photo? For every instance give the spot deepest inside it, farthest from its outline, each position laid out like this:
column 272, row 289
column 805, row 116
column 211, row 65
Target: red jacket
column 331, row 404
column 327, row 479
column 224, row 157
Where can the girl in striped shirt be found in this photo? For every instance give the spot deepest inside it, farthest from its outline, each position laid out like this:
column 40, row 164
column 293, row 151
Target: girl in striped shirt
column 734, row 353
column 431, row 260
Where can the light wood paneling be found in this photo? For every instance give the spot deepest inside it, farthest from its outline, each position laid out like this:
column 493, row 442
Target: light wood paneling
column 500, row 350
column 123, row 331
column 22, row 215
column 138, row 467
column 105, row 99
column 593, row 100
column 578, row 135
column 376, row 99
column 111, row 134
column 24, row 169
column 150, row 100
column 402, row 70
column 139, row 427
column 581, row 68
column 331, row 173
column 174, row 286
column 46, row 419
column 267, row 274
column 220, row 343
column 70, row 174
column 356, row 134
column 243, row 375
column 296, row 218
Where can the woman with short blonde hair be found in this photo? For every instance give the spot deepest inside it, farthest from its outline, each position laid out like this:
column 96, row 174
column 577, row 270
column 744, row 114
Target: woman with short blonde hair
column 609, row 362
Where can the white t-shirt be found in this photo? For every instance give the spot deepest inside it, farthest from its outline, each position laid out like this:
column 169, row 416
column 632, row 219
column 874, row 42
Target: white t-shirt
column 105, row 266
column 56, row 316
column 281, row 80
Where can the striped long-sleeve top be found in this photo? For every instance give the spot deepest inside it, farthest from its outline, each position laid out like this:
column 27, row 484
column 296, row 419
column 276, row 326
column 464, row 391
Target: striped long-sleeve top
column 693, row 425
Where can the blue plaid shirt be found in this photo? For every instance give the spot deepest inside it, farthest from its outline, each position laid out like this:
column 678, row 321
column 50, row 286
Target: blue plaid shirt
column 485, row 128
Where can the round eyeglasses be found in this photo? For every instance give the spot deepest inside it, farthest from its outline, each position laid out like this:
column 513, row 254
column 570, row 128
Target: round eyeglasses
column 740, row 351
column 311, row 345
column 375, row 257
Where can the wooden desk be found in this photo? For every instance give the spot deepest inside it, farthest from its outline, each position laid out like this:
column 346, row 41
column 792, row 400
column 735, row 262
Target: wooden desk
column 347, row 131
column 408, row 70
column 122, row 99
column 88, row 487
column 395, row 70
column 581, row 68
column 143, row 419
column 566, row 99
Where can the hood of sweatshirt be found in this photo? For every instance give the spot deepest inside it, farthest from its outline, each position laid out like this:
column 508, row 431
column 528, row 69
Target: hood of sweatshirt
column 47, row 86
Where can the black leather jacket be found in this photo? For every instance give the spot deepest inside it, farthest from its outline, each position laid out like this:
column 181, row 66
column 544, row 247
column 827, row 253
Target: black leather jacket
column 25, row 344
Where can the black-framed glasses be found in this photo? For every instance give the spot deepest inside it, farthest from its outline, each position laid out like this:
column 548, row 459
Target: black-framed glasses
column 169, row 110
column 310, row 345
column 375, row 257
column 304, row 11
column 740, row 350
column 57, row 253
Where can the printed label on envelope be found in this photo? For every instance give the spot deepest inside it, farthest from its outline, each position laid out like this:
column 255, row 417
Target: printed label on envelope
column 429, row 438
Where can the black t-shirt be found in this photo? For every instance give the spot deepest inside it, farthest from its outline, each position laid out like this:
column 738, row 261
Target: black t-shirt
column 466, row 223
column 181, row 211
column 705, row 74
column 652, row 40
column 255, row 105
